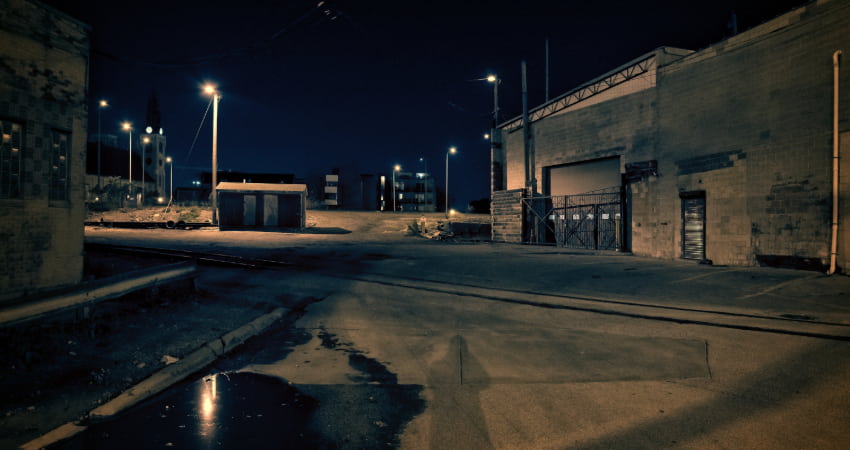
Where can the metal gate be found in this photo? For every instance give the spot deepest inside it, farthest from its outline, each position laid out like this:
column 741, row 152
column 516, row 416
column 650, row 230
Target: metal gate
column 587, row 221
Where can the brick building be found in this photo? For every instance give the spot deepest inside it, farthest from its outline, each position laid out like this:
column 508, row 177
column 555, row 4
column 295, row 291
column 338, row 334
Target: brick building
column 44, row 57
column 723, row 154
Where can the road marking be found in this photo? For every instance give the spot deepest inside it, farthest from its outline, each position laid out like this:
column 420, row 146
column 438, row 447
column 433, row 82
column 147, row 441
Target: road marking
column 778, row 286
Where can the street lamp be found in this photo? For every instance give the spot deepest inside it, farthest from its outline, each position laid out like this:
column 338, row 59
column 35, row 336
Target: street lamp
column 102, row 104
column 395, row 169
column 495, row 80
column 211, row 90
column 168, row 160
column 127, row 126
column 451, row 151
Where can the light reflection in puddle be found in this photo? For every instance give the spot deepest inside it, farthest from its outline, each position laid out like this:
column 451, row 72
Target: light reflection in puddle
column 224, row 410
column 208, row 392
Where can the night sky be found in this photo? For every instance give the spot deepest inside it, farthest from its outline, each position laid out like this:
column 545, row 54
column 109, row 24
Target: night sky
column 362, row 85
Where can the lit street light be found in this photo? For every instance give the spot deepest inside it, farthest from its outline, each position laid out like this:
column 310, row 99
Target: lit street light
column 127, row 126
column 211, row 90
column 168, row 160
column 395, row 169
column 451, row 151
column 102, row 104
column 495, row 80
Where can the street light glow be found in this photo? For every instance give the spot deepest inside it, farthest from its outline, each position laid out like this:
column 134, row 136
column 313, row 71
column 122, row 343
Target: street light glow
column 103, row 104
column 209, row 89
column 451, row 151
column 397, row 168
column 491, row 78
column 126, row 126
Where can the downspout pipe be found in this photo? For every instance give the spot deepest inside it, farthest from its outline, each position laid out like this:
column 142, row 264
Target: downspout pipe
column 833, row 252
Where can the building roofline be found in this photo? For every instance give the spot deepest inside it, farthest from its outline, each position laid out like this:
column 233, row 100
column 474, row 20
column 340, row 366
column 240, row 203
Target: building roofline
column 62, row 13
column 260, row 187
column 563, row 101
column 623, row 73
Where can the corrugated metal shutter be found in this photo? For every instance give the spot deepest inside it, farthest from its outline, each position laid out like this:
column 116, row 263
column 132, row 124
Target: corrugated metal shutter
column 693, row 232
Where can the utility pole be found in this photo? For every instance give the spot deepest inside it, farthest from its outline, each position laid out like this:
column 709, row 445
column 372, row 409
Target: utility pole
column 547, row 69
column 216, row 98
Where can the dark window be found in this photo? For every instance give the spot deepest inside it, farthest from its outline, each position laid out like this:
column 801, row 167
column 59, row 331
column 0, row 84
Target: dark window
column 10, row 159
column 59, row 166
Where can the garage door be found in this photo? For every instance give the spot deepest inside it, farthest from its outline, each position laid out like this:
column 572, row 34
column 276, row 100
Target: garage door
column 584, row 177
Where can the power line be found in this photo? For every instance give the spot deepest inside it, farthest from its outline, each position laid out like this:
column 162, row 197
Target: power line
column 200, row 125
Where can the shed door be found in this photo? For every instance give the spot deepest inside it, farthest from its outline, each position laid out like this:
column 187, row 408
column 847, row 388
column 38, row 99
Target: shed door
column 693, row 226
column 230, row 209
column 290, row 211
column 249, row 210
column 270, row 210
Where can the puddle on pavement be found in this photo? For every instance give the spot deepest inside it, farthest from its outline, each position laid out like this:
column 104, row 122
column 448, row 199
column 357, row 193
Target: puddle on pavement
column 363, row 406
column 233, row 410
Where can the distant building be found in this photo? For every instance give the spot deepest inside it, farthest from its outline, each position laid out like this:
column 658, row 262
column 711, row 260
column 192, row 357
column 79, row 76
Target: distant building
column 43, row 116
column 723, row 154
column 332, row 191
column 414, row 192
column 348, row 189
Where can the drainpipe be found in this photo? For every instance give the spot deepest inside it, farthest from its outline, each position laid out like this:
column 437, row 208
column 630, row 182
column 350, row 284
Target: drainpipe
column 834, row 244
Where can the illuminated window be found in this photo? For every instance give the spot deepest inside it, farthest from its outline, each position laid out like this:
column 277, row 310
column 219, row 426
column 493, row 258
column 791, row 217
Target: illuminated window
column 10, row 159
column 59, row 166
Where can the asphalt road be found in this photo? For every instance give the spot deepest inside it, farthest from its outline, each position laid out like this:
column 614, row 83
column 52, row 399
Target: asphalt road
column 415, row 344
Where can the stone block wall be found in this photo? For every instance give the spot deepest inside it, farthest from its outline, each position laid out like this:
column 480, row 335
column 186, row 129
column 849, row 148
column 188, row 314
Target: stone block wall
column 506, row 210
column 748, row 121
column 43, row 88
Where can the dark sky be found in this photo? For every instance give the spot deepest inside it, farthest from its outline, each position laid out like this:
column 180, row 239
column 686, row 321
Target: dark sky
column 362, row 85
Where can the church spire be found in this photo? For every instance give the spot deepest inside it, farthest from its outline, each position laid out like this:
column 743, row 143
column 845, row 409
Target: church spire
column 152, row 117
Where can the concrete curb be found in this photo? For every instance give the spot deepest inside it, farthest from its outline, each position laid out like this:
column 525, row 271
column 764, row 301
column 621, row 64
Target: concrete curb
column 165, row 378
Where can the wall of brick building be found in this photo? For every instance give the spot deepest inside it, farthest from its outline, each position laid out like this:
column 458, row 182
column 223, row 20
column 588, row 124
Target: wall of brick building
column 748, row 121
column 43, row 86
column 619, row 127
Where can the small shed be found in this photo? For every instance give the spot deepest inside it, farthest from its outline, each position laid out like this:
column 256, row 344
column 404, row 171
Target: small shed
column 262, row 205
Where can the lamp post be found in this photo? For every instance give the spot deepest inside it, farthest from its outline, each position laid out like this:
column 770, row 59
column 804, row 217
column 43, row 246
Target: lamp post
column 451, row 151
column 127, row 126
column 495, row 80
column 102, row 104
column 396, row 168
column 170, row 163
column 211, row 90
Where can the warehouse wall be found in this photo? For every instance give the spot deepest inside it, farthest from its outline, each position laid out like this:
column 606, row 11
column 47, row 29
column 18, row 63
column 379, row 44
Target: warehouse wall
column 749, row 121
column 746, row 122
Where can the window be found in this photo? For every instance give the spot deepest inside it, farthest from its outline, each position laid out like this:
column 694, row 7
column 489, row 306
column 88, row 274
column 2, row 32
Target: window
column 59, row 166
column 10, row 159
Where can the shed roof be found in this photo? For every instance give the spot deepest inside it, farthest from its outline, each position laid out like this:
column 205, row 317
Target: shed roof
column 261, row 187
